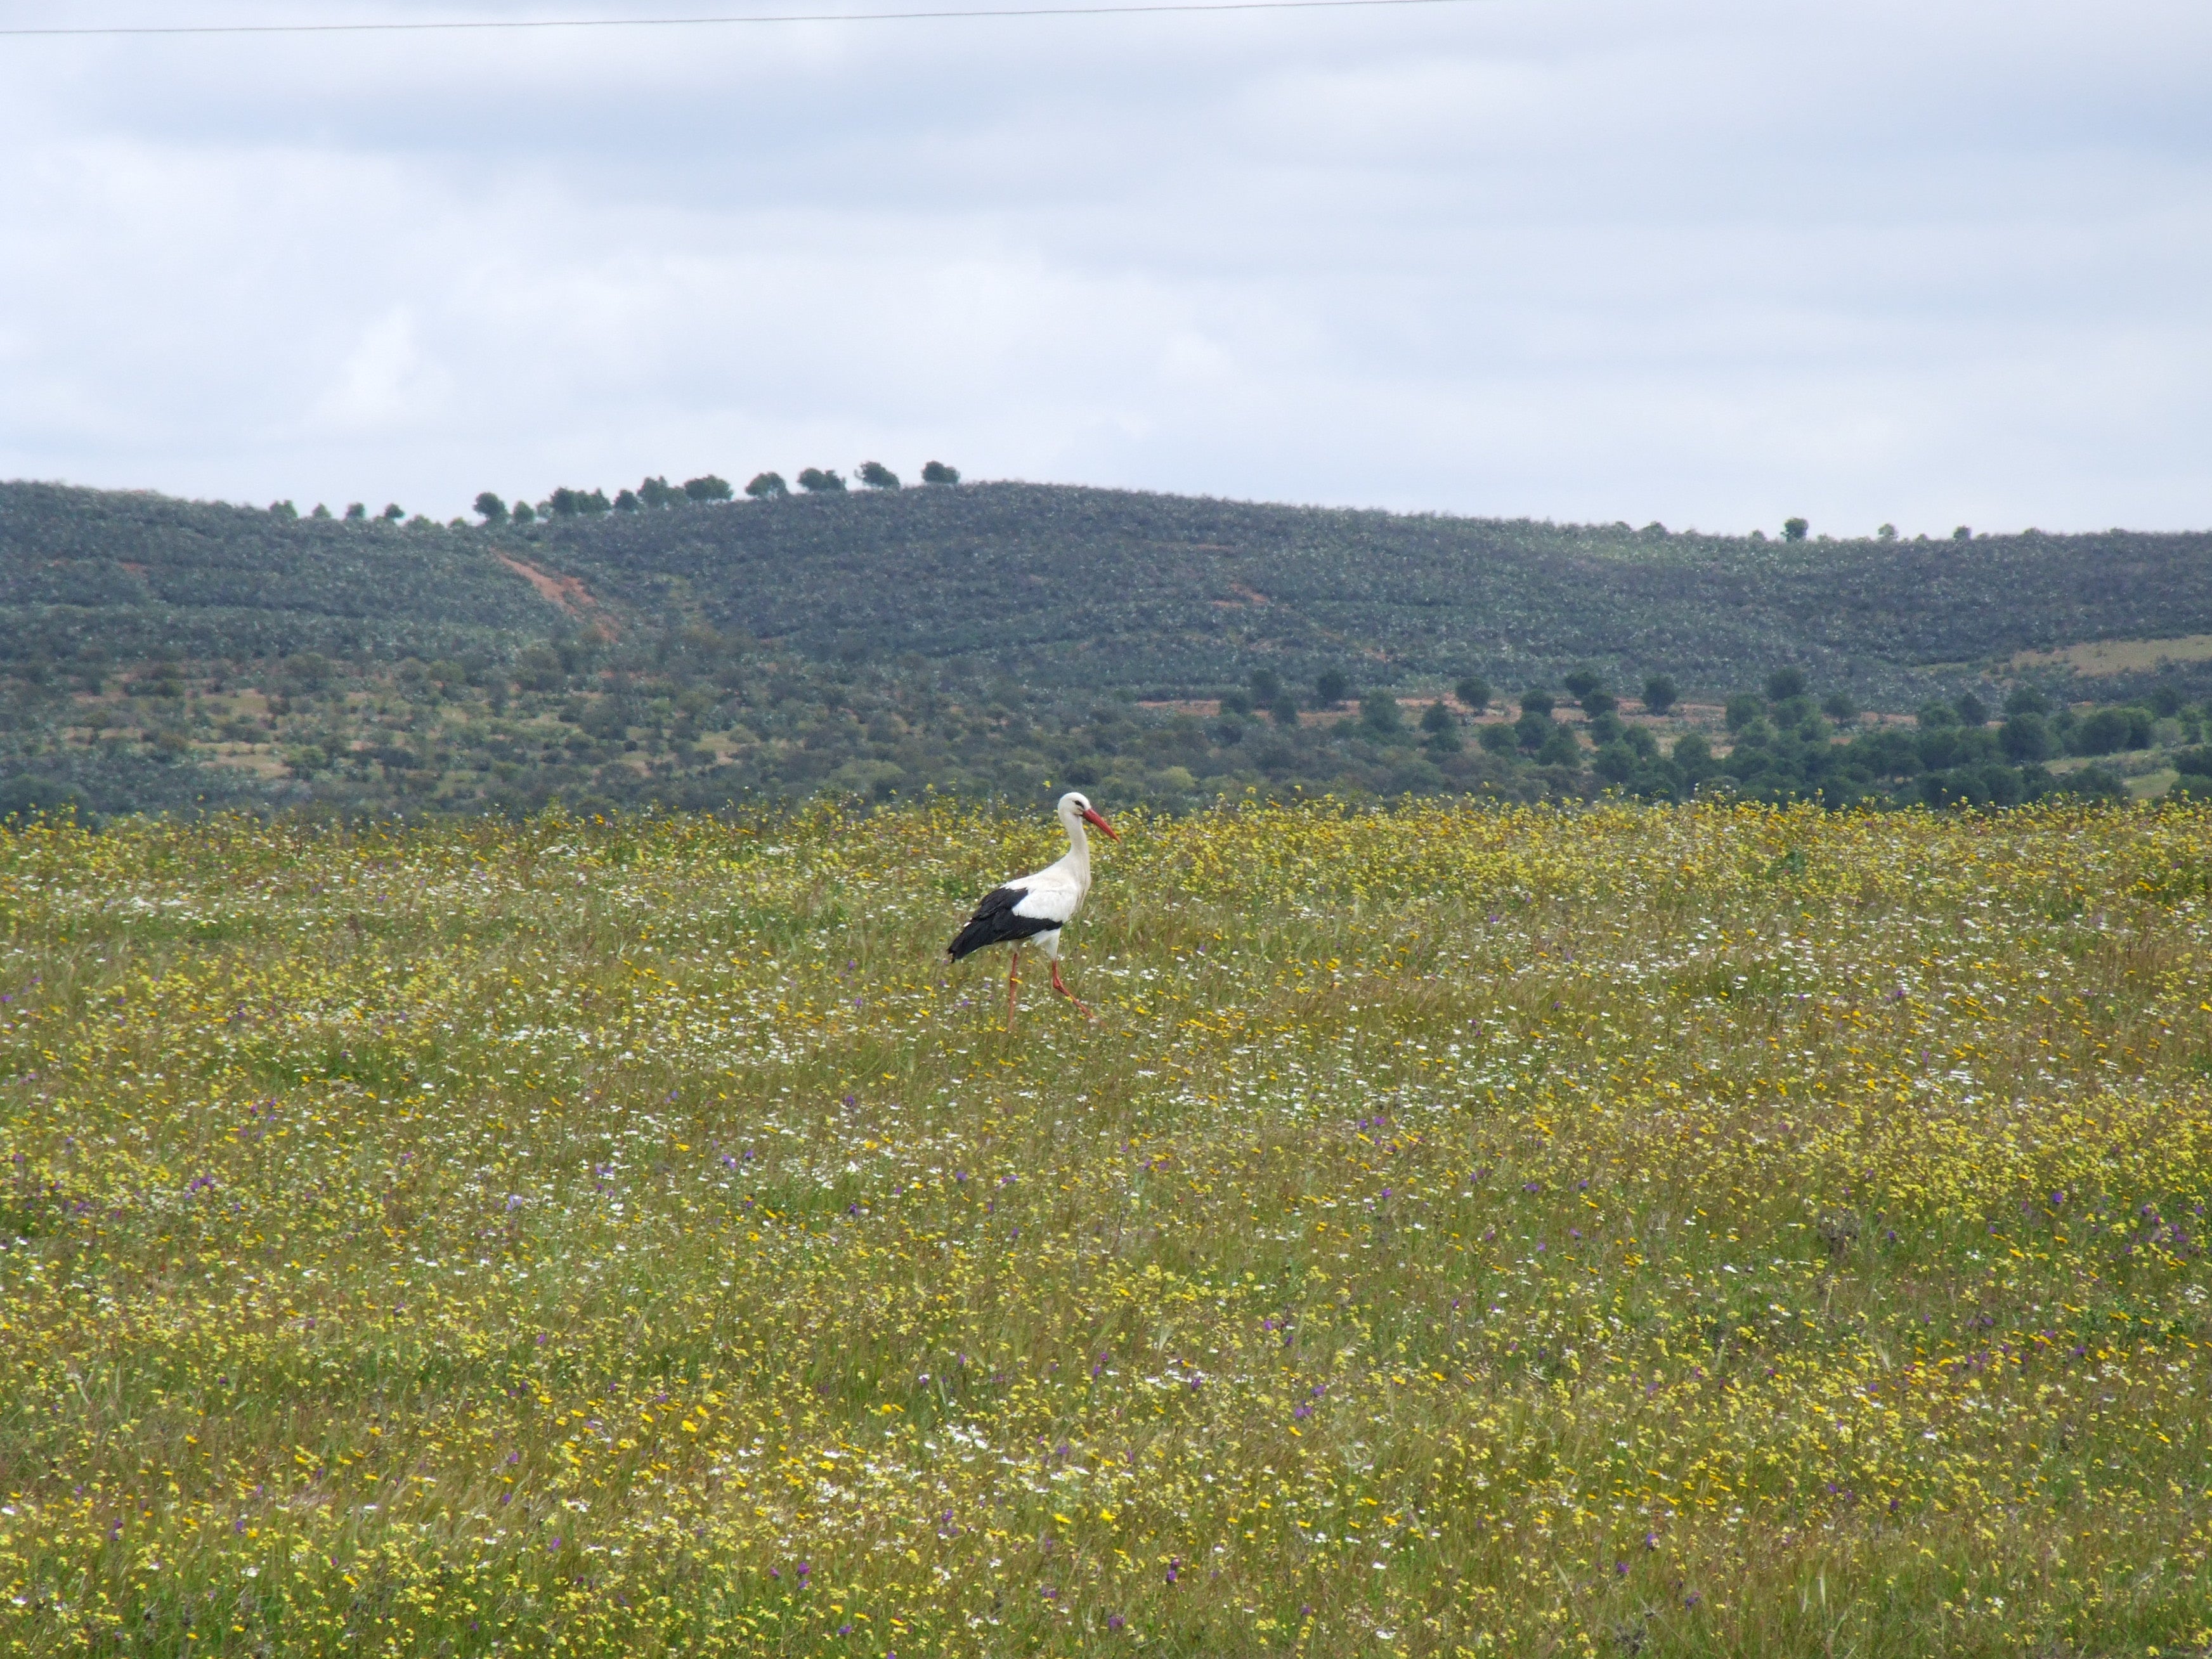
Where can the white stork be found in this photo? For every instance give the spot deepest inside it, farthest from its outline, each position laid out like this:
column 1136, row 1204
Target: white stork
column 1037, row 907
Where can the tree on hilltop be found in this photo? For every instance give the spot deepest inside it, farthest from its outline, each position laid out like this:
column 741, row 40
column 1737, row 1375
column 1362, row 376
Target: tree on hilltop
column 876, row 475
column 2026, row 738
column 707, row 488
column 1588, row 689
column 936, row 472
column 490, row 509
column 816, row 481
column 1378, row 711
column 768, row 487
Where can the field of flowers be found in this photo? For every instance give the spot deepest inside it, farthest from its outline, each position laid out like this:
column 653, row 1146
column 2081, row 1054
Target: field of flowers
column 1469, row 1231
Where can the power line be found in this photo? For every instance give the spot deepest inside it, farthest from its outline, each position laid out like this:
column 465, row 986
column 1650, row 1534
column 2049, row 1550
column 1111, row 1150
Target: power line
column 517, row 25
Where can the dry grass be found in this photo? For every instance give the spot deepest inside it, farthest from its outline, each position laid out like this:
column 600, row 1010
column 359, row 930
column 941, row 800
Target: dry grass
column 2100, row 657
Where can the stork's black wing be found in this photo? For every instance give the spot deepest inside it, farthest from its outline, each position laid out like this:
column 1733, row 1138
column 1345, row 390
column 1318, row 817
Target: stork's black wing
column 995, row 923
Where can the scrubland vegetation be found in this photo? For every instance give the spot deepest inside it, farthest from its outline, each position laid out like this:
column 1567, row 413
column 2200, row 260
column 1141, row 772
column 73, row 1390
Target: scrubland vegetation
column 703, row 721
column 1471, row 1229
column 687, row 649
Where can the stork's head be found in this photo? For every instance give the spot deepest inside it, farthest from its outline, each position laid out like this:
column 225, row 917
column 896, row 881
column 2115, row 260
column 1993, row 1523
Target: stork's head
column 1073, row 807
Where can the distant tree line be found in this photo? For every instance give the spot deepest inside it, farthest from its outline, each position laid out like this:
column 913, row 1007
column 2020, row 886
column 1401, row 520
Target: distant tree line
column 654, row 495
column 1783, row 743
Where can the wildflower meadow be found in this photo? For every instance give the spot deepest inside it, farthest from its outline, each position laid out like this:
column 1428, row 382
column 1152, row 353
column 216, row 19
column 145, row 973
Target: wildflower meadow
column 1467, row 1231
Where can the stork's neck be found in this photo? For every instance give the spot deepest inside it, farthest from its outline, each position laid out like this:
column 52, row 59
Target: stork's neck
column 1078, row 849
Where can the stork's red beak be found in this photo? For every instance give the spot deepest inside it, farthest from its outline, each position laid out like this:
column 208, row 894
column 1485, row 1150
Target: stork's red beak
column 1092, row 818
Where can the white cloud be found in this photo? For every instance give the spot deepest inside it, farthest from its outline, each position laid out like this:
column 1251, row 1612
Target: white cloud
column 1713, row 265
column 385, row 383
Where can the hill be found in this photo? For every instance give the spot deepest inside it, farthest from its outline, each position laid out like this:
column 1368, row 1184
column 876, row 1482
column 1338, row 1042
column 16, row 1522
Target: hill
column 1175, row 596
column 169, row 654
column 136, row 576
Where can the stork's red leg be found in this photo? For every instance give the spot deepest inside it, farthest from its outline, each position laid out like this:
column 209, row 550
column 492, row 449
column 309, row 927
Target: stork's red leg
column 1058, row 985
column 1013, row 967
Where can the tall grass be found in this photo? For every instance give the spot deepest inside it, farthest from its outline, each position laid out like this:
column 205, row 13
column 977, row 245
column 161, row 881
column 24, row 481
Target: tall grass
column 1469, row 1231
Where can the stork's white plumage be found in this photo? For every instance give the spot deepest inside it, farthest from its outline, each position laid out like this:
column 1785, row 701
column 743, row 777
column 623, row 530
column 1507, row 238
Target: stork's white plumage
column 1035, row 907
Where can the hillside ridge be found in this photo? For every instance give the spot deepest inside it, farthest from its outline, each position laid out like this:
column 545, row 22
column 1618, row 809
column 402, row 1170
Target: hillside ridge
column 990, row 638
column 1064, row 585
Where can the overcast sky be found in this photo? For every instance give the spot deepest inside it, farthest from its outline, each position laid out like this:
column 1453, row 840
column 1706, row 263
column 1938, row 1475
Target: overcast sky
column 1712, row 262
